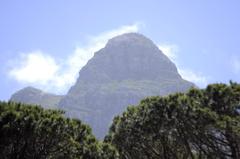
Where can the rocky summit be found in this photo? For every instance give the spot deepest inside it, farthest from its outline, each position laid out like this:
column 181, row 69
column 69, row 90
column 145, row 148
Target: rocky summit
column 129, row 68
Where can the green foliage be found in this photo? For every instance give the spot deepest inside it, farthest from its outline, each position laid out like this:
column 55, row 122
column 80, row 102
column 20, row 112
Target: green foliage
column 200, row 124
column 31, row 132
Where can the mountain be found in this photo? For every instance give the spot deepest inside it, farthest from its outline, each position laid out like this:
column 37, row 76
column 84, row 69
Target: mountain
column 129, row 68
column 30, row 95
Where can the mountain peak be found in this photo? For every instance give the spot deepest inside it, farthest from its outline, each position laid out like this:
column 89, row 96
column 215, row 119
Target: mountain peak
column 129, row 68
column 131, row 39
column 130, row 56
column 31, row 95
column 31, row 89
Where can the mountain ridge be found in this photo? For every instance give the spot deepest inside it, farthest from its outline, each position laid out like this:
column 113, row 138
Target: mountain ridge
column 31, row 95
column 129, row 68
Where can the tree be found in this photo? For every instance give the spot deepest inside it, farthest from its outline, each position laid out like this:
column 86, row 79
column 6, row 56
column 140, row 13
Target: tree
column 31, row 132
column 199, row 124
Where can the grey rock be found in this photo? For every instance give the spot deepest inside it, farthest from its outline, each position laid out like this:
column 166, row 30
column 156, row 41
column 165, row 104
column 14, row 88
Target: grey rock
column 129, row 68
column 31, row 95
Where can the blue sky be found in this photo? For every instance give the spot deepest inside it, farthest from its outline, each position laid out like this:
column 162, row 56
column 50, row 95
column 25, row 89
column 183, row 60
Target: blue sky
column 45, row 43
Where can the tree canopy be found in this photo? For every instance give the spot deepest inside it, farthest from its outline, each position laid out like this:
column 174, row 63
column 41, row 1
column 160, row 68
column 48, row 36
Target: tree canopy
column 199, row 124
column 30, row 132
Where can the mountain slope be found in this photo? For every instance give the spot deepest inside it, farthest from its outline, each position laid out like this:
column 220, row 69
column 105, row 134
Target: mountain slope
column 30, row 95
column 129, row 68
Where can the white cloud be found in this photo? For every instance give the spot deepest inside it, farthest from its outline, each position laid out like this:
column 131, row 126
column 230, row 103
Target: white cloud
column 35, row 67
column 171, row 51
column 41, row 70
column 198, row 78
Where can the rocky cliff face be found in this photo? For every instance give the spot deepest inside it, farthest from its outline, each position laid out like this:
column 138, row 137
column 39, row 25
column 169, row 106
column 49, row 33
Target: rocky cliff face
column 129, row 68
column 30, row 95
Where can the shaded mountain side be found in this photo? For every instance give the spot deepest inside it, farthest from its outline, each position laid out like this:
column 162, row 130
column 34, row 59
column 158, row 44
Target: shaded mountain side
column 30, row 95
column 129, row 68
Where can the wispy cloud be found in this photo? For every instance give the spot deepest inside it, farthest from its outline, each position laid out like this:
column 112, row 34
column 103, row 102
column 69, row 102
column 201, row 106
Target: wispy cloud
column 196, row 77
column 39, row 69
column 171, row 51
